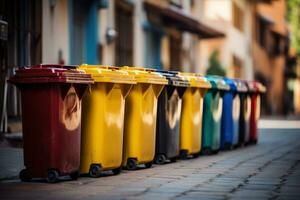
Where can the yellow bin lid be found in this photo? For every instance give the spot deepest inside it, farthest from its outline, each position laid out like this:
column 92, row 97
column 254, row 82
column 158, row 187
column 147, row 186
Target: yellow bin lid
column 109, row 74
column 195, row 80
column 146, row 75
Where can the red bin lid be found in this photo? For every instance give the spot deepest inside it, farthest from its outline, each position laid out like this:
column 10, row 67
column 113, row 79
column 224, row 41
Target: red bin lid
column 50, row 73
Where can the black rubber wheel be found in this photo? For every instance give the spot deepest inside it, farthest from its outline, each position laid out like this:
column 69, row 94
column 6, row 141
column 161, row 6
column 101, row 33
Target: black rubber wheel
column 183, row 154
column 24, row 175
column 228, row 147
column 148, row 164
column 206, row 151
column 74, row 175
column 95, row 170
column 215, row 151
column 52, row 176
column 174, row 159
column 160, row 159
column 117, row 171
column 131, row 164
column 196, row 155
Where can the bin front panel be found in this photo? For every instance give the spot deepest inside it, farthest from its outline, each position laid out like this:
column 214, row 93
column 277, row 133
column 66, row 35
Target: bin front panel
column 217, row 115
column 51, row 127
column 168, row 116
column 213, row 104
column 236, row 110
column 227, row 120
column 247, row 115
column 207, row 121
column 102, row 126
column 255, row 109
column 140, row 123
column 191, row 120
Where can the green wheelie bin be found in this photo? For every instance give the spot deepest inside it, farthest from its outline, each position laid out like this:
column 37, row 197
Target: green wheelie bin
column 212, row 114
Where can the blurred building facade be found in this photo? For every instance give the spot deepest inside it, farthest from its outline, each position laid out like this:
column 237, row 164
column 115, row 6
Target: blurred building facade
column 256, row 45
column 250, row 35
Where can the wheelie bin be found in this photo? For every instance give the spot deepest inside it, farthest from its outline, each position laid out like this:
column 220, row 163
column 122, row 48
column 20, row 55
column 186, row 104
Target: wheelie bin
column 103, row 109
column 51, row 119
column 140, row 117
column 168, row 117
column 256, row 90
column 212, row 114
column 245, row 109
column 191, row 115
column 231, row 114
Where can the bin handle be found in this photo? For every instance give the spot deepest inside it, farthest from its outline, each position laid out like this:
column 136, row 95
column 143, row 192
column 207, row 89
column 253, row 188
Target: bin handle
column 125, row 88
column 70, row 115
column 56, row 66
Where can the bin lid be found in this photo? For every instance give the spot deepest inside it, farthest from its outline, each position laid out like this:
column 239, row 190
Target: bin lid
column 101, row 73
column 174, row 79
column 241, row 85
column 256, row 87
column 195, row 80
column 232, row 84
column 217, row 82
column 146, row 75
column 50, row 73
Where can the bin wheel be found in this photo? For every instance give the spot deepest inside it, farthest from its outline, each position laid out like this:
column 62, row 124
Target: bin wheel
column 183, row 154
column 24, row 175
column 52, row 176
column 74, row 175
column 160, row 159
column 148, row 164
column 117, row 171
column 95, row 170
column 206, row 151
column 196, row 155
column 174, row 159
column 228, row 147
column 215, row 151
column 131, row 164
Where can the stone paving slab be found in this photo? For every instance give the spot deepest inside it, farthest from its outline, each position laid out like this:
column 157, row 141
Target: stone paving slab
column 268, row 170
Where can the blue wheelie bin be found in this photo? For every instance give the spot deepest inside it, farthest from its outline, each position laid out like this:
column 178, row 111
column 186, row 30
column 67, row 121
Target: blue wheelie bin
column 231, row 114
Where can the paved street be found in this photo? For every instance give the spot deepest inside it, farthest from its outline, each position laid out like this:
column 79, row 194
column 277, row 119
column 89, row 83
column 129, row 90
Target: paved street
column 268, row 170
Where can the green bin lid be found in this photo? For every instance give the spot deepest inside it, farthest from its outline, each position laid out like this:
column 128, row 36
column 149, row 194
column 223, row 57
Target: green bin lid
column 218, row 83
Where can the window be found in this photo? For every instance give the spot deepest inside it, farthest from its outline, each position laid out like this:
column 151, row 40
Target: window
column 238, row 17
column 124, row 28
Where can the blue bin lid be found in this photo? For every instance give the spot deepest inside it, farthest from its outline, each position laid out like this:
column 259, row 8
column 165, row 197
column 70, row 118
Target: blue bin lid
column 232, row 84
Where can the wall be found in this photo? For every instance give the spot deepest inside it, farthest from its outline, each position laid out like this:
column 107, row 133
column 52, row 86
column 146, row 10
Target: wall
column 55, row 32
column 219, row 13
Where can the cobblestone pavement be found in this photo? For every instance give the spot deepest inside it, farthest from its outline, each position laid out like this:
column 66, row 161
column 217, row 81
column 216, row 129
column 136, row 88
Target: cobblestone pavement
column 268, row 170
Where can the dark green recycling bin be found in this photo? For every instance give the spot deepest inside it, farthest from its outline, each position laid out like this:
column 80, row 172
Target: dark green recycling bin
column 212, row 114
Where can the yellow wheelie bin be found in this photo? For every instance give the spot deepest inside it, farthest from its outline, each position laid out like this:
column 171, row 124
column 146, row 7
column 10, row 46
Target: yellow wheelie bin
column 191, row 115
column 103, row 118
column 140, row 117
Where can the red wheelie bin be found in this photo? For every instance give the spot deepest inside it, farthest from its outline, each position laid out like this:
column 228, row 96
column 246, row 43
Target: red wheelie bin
column 256, row 89
column 51, row 118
